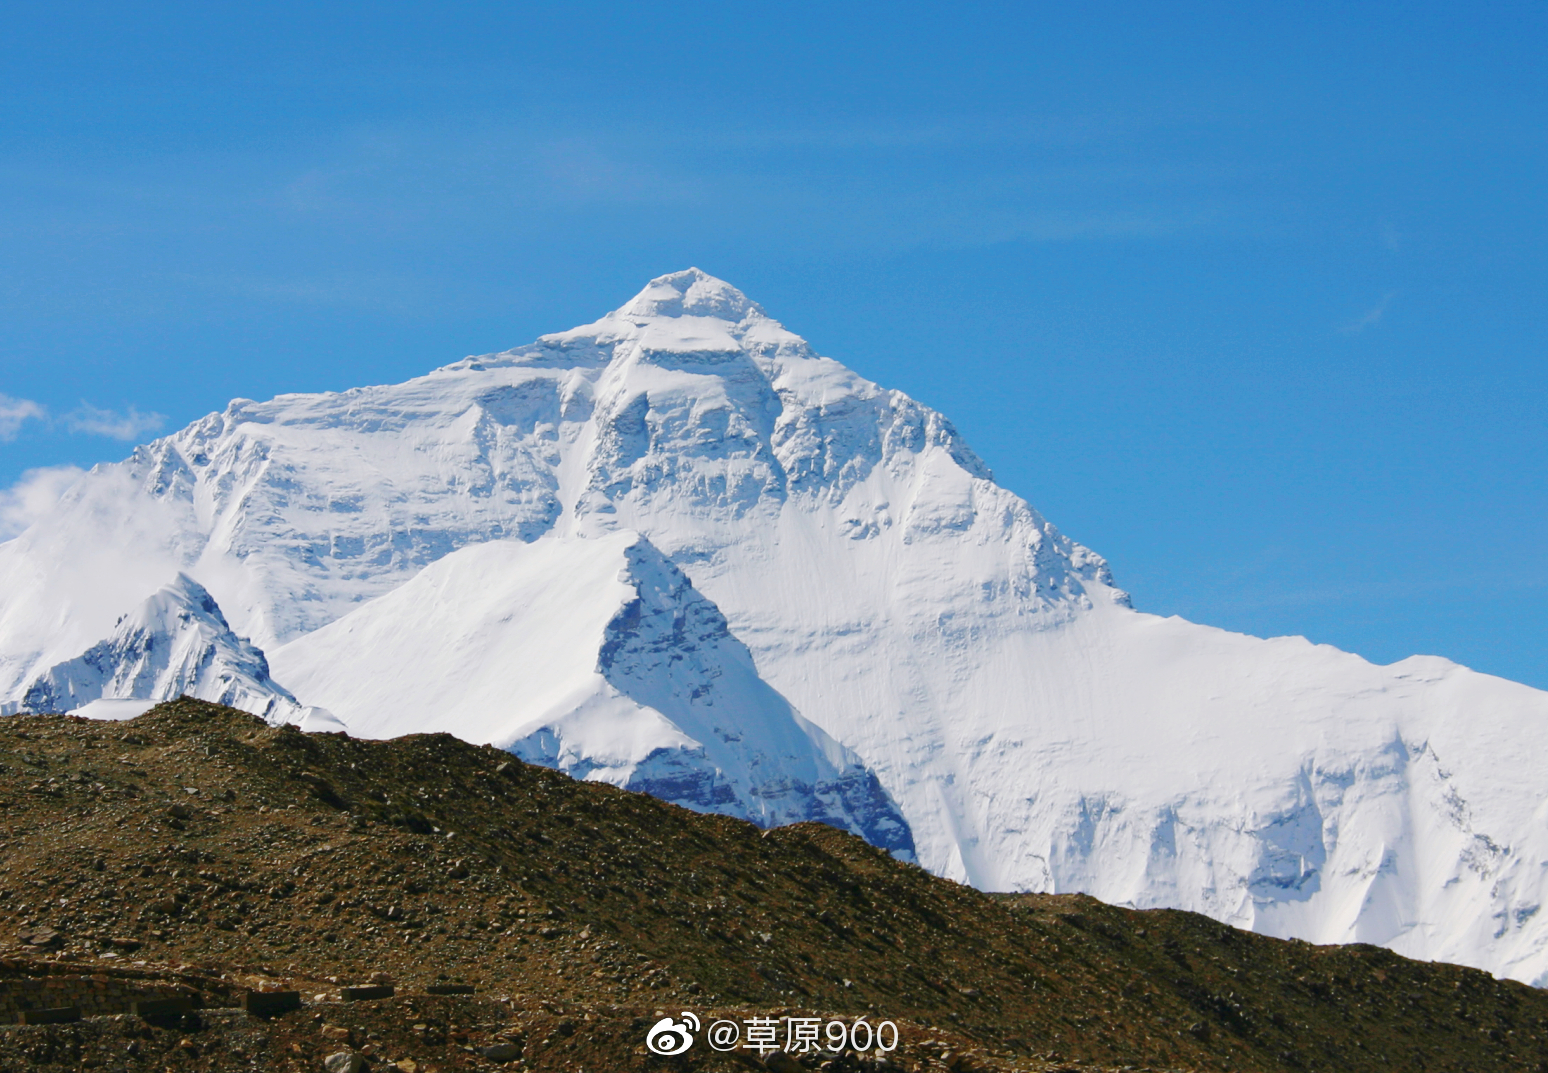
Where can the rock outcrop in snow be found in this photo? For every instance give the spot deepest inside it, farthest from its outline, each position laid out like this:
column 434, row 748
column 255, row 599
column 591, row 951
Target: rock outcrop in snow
column 1036, row 732
column 596, row 657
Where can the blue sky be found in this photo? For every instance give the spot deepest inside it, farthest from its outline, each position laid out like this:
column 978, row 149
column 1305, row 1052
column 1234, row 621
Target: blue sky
column 1249, row 298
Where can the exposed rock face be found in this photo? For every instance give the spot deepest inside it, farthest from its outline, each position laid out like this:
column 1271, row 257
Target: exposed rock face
column 671, row 650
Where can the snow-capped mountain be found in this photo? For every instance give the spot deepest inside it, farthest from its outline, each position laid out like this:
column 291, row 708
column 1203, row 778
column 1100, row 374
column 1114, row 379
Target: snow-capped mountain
column 596, row 657
column 1036, row 732
column 175, row 642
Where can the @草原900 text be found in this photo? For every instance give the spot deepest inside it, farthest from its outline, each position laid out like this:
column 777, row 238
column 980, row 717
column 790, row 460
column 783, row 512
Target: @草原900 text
column 794, row 1035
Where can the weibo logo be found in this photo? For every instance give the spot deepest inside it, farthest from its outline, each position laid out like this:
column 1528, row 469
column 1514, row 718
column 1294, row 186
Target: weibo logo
column 668, row 1037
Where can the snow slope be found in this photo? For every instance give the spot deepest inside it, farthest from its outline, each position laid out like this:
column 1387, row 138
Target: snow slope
column 596, row 657
column 1036, row 732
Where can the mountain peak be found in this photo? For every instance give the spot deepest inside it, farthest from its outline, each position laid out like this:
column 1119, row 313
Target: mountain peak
column 869, row 576
column 176, row 641
column 690, row 293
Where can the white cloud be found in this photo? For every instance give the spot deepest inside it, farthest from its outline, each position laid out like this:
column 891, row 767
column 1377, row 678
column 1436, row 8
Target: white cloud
column 94, row 421
column 33, row 496
column 15, row 412
column 1371, row 317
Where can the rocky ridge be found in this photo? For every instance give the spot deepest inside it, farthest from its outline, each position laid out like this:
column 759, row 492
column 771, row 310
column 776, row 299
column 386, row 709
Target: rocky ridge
column 199, row 842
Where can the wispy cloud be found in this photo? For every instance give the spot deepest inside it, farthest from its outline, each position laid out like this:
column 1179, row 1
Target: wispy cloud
column 33, row 496
column 95, row 421
column 16, row 412
column 1371, row 317
column 85, row 419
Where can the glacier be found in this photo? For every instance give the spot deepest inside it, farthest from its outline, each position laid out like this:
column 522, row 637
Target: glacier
column 1034, row 731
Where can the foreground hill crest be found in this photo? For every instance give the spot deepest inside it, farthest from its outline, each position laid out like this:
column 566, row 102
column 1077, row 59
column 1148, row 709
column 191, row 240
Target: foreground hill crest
column 577, row 911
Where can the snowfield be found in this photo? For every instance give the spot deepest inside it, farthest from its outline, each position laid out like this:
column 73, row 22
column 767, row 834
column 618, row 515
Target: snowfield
column 677, row 549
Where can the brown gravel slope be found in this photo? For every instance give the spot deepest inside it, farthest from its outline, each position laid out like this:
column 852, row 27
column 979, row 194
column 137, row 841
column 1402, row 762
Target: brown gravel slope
column 196, row 837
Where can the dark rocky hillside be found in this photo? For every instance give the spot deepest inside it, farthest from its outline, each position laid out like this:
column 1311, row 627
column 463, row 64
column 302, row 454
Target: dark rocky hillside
column 197, row 851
